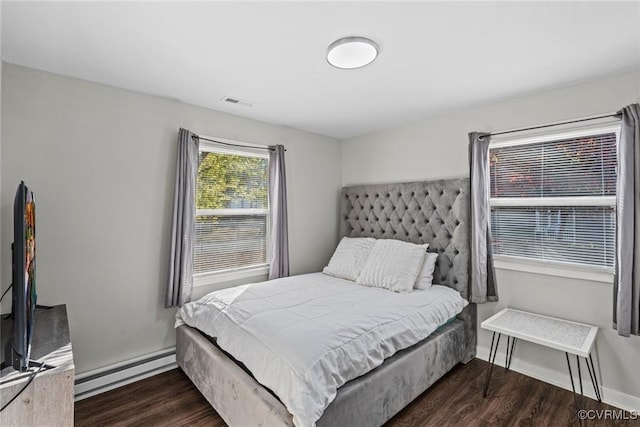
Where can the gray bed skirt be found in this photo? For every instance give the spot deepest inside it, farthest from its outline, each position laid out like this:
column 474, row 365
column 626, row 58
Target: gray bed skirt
column 367, row 401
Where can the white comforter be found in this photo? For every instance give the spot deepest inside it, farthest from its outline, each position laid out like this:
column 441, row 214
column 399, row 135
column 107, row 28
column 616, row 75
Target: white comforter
column 305, row 336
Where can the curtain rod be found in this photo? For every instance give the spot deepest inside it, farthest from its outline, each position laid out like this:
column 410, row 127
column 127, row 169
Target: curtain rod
column 566, row 122
column 234, row 145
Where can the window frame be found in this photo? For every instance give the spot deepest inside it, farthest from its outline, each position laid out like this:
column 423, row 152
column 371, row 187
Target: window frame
column 550, row 267
column 244, row 272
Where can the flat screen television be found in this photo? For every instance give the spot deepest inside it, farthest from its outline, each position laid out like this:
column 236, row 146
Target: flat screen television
column 24, row 276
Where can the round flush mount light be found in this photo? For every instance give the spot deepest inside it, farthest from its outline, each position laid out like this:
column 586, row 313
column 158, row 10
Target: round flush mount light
column 352, row 52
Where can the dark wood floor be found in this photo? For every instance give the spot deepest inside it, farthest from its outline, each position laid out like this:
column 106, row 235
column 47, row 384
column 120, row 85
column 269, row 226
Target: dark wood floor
column 169, row 399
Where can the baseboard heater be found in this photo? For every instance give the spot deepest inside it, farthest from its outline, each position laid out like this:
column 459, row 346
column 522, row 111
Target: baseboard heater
column 110, row 377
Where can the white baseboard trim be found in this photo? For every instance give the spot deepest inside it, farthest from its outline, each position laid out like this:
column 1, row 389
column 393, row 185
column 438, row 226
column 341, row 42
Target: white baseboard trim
column 561, row 379
column 113, row 376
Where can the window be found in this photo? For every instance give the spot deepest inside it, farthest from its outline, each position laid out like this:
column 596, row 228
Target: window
column 553, row 197
column 231, row 229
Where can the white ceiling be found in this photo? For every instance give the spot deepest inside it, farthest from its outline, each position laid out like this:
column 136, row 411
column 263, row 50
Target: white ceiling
column 433, row 56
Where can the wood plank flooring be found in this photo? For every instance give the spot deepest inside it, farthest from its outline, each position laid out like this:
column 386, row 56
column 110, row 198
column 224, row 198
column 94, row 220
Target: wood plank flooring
column 169, row 399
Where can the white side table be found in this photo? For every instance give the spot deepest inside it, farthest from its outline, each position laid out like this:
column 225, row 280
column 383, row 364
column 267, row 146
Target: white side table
column 571, row 337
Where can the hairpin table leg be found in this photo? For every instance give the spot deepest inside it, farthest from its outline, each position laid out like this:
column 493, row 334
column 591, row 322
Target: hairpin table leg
column 506, row 355
column 594, row 379
column 513, row 346
column 573, row 387
column 580, row 379
column 492, row 358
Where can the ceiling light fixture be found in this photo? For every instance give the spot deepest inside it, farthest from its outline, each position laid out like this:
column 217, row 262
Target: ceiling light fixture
column 352, row 52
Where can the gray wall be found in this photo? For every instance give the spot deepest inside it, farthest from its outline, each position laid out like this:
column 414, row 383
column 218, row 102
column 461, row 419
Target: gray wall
column 101, row 161
column 437, row 147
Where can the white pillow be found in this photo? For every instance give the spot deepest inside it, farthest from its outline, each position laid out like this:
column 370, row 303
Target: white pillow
column 349, row 257
column 393, row 265
column 425, row 276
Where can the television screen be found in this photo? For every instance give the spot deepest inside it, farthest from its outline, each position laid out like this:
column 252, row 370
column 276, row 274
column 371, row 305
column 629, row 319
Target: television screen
column 24, row 275
column 30, row 263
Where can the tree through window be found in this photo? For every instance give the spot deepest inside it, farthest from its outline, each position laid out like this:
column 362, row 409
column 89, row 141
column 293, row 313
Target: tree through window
column 231, row 211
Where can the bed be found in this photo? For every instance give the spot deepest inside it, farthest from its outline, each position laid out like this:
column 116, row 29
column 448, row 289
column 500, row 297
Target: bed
column 434, row 212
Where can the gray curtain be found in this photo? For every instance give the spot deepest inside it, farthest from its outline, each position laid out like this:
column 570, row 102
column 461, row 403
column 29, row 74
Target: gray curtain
column 626, row 310
column 182, row 227
column 279, row 250
column 483, row 279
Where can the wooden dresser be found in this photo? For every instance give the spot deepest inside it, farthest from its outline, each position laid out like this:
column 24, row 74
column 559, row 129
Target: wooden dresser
column 48, row 400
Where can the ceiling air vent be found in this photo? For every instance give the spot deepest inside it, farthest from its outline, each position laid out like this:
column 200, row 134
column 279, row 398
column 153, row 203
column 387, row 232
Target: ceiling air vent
column 237, row 101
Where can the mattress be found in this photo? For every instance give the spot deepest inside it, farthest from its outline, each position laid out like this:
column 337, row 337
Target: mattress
column 305, row 336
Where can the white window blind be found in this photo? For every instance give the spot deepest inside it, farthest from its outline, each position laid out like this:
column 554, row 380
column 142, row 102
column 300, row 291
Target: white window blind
column 553, row 199
column 231, row 211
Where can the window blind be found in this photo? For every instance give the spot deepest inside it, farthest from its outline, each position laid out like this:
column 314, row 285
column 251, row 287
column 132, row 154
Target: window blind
column 231, row 212
column 555, row 200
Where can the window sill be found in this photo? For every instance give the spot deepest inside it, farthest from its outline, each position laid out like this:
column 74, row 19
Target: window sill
column 221, row 277
column 594, row 274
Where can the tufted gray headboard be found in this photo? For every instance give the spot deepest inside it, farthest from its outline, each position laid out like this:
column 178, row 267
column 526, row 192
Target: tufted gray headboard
column 433, row 212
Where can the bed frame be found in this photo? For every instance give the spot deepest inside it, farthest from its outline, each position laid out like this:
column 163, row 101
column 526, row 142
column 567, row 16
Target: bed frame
column 434, row 212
